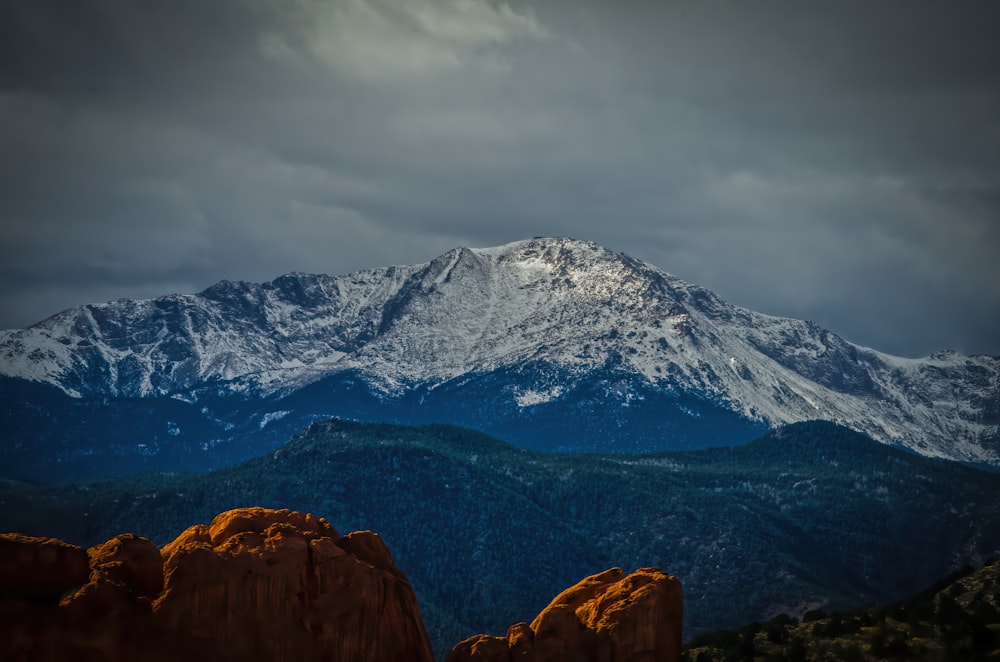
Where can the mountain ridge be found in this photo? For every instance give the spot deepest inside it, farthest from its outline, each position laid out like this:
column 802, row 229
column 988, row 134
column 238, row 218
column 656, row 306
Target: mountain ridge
column 541, row 325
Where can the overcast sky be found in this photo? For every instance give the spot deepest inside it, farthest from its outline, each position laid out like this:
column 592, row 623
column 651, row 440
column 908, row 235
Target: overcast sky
column 835, row 161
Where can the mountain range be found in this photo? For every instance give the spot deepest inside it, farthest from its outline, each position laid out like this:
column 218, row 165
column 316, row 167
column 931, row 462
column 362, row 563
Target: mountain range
column 550, row 343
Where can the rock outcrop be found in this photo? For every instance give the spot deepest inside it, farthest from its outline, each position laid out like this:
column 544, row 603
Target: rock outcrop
column 130, row 560
column 255, row 584
column 260, row 584
column 604, row 618
column 39, row 569
column 279, row 585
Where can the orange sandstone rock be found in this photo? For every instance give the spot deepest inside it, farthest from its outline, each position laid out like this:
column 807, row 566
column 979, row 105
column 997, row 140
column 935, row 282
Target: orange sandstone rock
column 255, row 584
column 283, row 585
column 604, row 618
column 482, row 647
column 131, row 560
column 520, row 639
column 102, row 610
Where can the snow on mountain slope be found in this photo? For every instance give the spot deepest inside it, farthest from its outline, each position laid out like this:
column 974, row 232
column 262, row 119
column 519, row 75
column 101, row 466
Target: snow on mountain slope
column 570, row 305
column 231, row 330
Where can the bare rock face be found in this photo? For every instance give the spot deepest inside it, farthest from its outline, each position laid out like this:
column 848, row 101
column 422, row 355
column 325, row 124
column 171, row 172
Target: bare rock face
column 283, row 585
column 71, row 604
column 607, row 617
column 130, row 560
column 40, row 570
column 255, row 584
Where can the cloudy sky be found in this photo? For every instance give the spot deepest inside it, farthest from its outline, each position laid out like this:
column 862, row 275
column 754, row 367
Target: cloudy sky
column 838, row 162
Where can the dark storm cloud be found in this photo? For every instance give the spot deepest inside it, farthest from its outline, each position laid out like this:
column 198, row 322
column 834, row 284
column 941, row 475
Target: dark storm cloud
column 835, row 164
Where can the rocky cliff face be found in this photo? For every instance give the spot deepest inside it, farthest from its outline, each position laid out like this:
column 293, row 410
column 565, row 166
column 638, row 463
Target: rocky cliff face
column 608, row 616
column 255, row 584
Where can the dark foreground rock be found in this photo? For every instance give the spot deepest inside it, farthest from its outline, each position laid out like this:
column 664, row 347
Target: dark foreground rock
column 255, row 584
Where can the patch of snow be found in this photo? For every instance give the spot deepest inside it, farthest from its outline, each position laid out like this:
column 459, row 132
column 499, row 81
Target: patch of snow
column 271, row 416
column 530, row 398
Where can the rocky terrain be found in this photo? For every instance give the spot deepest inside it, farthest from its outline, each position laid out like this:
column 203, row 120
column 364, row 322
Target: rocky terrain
column 260, row 584
column 255, row 584
column 606, row 617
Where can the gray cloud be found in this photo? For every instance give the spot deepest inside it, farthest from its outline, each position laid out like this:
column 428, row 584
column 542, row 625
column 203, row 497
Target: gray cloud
column 835, row 164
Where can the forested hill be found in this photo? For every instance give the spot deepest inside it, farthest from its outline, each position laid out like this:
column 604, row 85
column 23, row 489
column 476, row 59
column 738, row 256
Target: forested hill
column 956, row 618
column 812, row 515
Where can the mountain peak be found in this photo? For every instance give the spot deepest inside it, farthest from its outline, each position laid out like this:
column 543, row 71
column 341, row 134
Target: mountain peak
column 539, row 329
column 558, row 253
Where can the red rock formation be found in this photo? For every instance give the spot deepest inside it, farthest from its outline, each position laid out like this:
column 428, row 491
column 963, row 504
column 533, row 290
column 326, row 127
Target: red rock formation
column 256, row 584
column 281, row 585
column 68, row 607
column 604, row 618
column 130, row 560
column 40, row 569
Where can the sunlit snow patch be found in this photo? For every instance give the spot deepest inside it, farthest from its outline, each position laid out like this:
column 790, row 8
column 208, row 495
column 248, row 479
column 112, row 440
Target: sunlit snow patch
column 530, row 398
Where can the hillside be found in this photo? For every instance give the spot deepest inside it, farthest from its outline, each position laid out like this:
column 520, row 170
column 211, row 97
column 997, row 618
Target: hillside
column 957, row 618
column 809, row 516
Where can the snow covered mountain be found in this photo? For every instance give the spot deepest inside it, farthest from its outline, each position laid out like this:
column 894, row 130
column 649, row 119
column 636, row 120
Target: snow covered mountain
column 550, row 343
